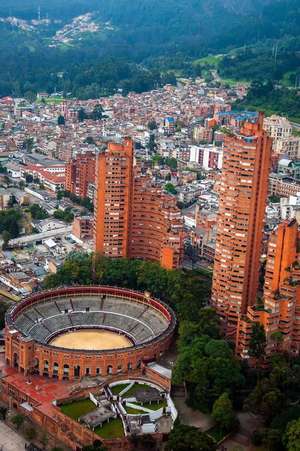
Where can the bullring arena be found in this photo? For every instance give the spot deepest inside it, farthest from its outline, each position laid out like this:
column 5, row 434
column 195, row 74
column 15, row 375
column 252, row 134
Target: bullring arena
column 73, row 332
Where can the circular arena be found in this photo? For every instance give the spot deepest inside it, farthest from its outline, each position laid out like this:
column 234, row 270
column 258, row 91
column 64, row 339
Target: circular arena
column 73, row 332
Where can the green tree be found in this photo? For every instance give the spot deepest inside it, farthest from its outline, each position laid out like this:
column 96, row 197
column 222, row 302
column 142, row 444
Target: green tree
column 6, row 236
column 187, row 292
column 223, row 413
column 96, row 446
column 90, row 140
column 143, row 442
column 30, row 433
column 28, row 178
column 37, row 212
column 257, row 343
column 271, row 439
column 172, row 163
column 18, row 420
column 3, row 170
column 208, row 367
column 291, row 437
column 187, row 438
column 12, row 201
column 61, row 120
column 81, row 115
column 9, row 221
column 66, row 215
column 28, row 144
column 3, row 412
column 152, row 125
column 266, row 400
column 151, row 145
column 277, row 339
column 3, row 309
column 97, row 113
column 170, row 188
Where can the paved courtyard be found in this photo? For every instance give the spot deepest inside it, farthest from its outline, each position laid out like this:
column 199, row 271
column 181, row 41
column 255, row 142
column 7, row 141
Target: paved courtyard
column 10, row 440
column 192, row 417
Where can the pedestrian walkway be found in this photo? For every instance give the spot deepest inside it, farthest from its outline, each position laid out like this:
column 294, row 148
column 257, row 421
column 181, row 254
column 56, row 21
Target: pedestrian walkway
column 192, row 417
column 10, row 440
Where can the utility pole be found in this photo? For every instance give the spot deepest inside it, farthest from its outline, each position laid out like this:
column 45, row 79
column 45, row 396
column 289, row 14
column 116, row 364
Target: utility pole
column 275, row 53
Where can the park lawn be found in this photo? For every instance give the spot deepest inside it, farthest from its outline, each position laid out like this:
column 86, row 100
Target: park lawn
column 130, row 393
column 111, row 429
column 51, row 100
column 133, row 411
column 154, row 405
column 116, row 389
column 78, row 408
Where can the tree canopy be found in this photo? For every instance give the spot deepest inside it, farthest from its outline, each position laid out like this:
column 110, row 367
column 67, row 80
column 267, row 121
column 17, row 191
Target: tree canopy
column 186, row 292
column 187, row 438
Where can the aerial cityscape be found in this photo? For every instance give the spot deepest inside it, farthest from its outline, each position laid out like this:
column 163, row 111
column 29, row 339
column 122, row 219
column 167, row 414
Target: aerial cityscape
column 150, row 225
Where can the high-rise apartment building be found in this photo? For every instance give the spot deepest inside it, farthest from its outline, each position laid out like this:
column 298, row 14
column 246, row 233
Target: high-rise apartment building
column 279, row 312
column 132, row 218
column 156, row 224
column 281, row 130
column 242, row 201
column 278, row 127
column 113, row 199
column 80, row 173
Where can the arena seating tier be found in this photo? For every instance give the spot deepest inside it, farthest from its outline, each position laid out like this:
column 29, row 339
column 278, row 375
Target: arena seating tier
column 44, row 319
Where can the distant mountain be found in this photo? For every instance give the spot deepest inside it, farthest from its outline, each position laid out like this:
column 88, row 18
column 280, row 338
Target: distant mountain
column 153, row 39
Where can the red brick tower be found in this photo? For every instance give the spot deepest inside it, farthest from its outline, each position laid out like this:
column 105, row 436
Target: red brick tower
column 242, row 201
column 134, row 219
column 80, row 171
column 113, row 199
column 280, row 312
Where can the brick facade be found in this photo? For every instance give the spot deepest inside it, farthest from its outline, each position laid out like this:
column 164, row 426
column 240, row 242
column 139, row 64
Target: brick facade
column 134, row 219
column 243, row 194
column 29, row 356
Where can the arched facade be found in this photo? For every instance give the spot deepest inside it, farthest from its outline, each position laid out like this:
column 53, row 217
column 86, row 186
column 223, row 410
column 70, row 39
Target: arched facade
column 31, row 356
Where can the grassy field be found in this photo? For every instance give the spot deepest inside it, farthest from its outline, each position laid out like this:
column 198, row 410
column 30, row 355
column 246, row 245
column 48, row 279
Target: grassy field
column 112, row 429
column 131, row 392
column 51, row 100
column 153, row 405
column 133, row 411
column 116, row 389
column 210, row 60
column 78, row 408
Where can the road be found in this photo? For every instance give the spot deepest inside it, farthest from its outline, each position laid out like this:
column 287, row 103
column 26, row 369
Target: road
column 10, row 440
column 296, row 125
column 40, row 236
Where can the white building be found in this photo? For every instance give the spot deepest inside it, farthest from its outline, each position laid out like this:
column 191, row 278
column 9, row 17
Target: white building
column 208, row 157
column 290, row 206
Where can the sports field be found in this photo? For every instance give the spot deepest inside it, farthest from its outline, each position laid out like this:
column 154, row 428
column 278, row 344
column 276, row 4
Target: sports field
column 91, row 339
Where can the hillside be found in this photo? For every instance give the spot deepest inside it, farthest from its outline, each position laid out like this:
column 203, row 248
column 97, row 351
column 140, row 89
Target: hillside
column 130, row 44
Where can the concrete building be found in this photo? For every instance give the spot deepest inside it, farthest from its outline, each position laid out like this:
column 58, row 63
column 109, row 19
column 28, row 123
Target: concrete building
column 242, row 201
column 290, row 207
column 289, row 168
column 208, row 157
column 80, row 173
column 290, row 147
column 82, row 227
column 134, row 219
column 280, row 185
column 278, row 128
column 280, row 312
